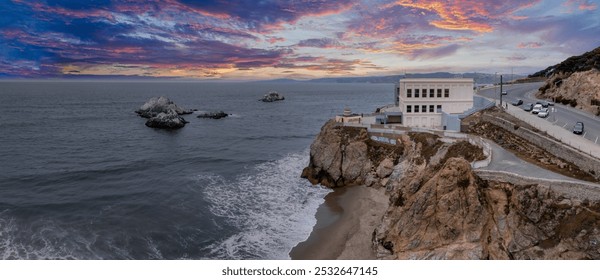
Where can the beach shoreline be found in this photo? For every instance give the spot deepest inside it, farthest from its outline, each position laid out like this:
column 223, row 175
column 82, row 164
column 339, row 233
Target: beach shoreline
column 345, row 223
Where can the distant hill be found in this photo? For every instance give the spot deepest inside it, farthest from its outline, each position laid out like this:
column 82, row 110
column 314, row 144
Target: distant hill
column 575, row 81
column 480, row 78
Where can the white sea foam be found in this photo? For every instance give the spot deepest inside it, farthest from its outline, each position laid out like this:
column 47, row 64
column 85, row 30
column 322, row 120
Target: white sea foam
column 273, row 209
column 44, row 243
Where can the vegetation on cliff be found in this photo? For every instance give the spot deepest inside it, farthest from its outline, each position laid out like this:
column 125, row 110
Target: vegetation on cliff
column 574, row 82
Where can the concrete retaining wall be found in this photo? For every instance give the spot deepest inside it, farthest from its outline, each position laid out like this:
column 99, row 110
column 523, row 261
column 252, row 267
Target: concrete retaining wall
column 581, row 190
column 560, row 150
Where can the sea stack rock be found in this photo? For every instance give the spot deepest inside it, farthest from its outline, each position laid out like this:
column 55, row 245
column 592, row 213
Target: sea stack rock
column 157, row 105
column 169, row 120
column 213, row 115
column 163, row 113
column 272, row 97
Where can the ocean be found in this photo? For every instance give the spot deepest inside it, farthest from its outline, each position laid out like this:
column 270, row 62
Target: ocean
column 82, row 177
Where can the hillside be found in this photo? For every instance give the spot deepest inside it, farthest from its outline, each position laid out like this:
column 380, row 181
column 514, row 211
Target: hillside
column 575, row 81
column 480, row 78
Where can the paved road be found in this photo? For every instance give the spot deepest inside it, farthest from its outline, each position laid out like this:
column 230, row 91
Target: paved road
column 563, row 116
column 503, row 160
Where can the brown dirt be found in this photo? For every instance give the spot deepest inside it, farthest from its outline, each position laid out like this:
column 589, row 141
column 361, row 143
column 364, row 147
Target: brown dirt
column 465, row 150
column 379, row 151
column 430, row 143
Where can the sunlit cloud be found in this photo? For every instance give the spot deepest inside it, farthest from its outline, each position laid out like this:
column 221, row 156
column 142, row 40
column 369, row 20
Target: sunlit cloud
column 277, row 38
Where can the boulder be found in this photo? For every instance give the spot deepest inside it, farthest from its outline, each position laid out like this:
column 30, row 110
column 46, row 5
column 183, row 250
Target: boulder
column 272, row 97
column 169, row 120
column 157, row 105
column 213, row 115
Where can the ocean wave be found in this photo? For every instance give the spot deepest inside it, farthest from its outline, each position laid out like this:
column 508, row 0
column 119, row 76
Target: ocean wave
column 272, row 208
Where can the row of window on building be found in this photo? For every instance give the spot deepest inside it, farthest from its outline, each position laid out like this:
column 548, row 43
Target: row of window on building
column 423, row 93
column 423, row 108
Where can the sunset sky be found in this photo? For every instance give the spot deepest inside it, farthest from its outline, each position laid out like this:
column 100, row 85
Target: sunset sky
column 269, row 39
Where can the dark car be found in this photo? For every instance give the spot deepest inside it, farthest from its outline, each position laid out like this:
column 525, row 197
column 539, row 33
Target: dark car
column 528, row 107
column 578, row 128
column 517, row 102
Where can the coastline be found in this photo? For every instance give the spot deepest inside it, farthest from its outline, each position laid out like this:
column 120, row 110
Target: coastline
column 345, row 224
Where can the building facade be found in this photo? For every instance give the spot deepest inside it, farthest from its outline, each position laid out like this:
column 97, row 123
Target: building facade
column 426, row 102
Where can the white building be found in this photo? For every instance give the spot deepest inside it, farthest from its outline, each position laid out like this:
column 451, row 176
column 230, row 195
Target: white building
column 431, row 102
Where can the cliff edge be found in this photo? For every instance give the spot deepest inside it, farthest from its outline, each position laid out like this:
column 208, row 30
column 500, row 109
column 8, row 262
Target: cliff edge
column 440, row 209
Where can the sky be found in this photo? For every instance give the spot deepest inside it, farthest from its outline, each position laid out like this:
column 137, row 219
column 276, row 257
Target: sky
column 297, row 39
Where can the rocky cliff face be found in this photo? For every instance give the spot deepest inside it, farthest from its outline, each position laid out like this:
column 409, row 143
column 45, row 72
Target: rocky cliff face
column 440, row 209
column 574, row 81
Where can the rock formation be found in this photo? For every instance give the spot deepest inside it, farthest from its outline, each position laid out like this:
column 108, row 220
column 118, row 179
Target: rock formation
column 157, row 105
column 213, row 115
column 440, row 209
column 574, row 82
column 163, row 113
column 168, row 120
column 272, row 97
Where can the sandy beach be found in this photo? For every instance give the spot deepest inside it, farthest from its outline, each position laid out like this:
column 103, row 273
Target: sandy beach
column 345, row 224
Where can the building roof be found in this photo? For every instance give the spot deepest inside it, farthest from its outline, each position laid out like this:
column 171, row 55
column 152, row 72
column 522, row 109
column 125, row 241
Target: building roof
column 437, row 80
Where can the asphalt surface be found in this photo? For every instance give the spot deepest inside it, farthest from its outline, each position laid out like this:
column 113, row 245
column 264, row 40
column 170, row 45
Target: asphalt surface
column 562, row 116
column 503, row 160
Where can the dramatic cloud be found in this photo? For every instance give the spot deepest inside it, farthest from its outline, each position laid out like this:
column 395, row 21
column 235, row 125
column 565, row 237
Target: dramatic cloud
column 306, row 38
column 320, row 43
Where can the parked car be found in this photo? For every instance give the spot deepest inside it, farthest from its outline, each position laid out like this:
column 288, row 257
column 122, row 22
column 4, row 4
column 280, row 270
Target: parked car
column 536, row 109
column 543, row 113
column 528, row 107
column 578, row 128
column 517, row 102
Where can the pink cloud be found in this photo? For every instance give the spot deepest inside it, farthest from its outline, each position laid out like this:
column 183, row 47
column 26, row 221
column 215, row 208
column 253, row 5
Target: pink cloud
column 584, row 5
column 530, row 45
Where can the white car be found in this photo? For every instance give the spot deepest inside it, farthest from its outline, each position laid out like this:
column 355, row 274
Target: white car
column 543, row 113
column 537, row 108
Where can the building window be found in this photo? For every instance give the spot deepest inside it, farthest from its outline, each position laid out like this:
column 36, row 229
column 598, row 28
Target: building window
column 409, row 93
column 431, row 93
column 439, row 93
column 424, row 92
column 446, row 93
column 424, row 108
column 416, row 108
column 431, row 109
column 439, row 108
column 409, row 108
column 416, row 93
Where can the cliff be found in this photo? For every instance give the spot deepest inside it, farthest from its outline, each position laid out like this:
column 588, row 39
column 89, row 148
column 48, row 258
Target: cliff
column 574, row 82
column 440, row 209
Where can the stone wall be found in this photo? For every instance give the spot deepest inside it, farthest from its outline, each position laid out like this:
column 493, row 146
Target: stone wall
column 581, row 190
column 560, row 150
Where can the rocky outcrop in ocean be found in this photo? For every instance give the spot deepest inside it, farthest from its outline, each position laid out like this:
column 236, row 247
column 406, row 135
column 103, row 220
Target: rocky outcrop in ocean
column 439, row 208
column 272, row 97
column 169, row 120
column 161, row 112
column 157, row 105
column 213, row 115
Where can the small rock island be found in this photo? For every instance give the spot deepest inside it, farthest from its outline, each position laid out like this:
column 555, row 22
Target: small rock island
column 213, row 115
column 161, row 112
column 272, row 96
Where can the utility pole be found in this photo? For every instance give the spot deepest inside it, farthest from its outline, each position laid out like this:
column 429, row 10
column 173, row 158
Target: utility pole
column 501, row 92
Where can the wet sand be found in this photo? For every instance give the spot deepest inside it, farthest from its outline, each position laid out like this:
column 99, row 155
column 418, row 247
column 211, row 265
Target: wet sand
column 345, row 224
